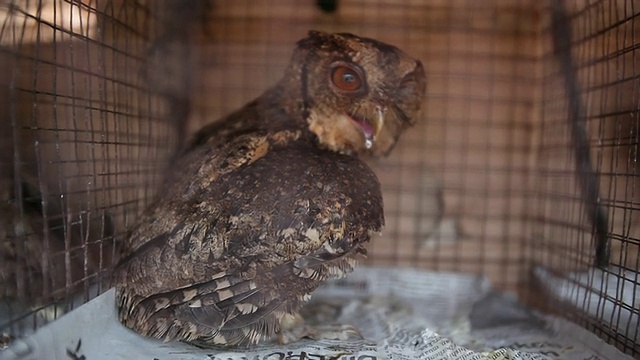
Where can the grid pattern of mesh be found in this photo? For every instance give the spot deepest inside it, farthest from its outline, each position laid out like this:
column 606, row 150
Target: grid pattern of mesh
column 605, row 50
column 99, row 93
column 83, row 143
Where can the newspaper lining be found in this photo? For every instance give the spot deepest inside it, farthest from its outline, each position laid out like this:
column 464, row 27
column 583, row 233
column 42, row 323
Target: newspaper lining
column 403, row 314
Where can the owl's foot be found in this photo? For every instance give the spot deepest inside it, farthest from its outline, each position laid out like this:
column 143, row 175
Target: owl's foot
column 294, row 329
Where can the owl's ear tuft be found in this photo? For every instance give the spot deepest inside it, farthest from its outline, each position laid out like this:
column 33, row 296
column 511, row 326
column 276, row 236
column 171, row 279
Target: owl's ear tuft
column 315, row 40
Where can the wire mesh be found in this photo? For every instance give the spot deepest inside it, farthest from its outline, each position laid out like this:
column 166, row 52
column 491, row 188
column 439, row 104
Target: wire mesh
column 99, row 93
column 604, row 49
column 84, row 142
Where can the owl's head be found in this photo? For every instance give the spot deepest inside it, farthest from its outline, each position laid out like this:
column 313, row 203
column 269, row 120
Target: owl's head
column 358, row 94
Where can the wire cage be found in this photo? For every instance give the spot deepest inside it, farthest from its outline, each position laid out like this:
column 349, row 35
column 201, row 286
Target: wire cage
column 522, row 168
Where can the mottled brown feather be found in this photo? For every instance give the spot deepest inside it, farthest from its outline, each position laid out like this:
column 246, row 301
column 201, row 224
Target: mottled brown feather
column 268, row 203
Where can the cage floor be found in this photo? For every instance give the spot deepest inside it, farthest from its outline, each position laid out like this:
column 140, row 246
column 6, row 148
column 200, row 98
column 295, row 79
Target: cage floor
column 401, row 313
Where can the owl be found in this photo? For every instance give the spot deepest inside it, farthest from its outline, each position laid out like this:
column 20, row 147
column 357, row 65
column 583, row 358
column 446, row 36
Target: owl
column 266, row 204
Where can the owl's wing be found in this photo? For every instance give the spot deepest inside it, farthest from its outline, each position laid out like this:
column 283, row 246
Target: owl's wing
column 237, row 308
column 234, row 309
column 204, row 266
column 173, row 268
column 176, row 205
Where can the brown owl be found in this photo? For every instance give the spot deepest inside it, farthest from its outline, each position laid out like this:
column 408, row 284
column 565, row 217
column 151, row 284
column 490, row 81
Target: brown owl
column 271, row 201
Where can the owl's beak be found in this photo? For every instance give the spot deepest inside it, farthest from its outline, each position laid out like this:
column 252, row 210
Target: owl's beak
column 371, row 126
column 378, row 124
column 378, row 121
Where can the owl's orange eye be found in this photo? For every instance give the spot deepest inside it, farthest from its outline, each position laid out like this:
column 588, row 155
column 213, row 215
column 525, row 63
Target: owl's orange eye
column 346, row 78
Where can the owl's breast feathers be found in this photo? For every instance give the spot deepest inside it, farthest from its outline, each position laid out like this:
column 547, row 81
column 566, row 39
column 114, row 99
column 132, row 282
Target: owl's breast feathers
column 242, row 234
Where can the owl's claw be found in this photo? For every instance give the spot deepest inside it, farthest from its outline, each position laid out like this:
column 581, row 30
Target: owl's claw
column 319, row 332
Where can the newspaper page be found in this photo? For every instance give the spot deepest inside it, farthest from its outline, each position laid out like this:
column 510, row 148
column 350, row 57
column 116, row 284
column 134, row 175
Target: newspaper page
column 401, row 314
